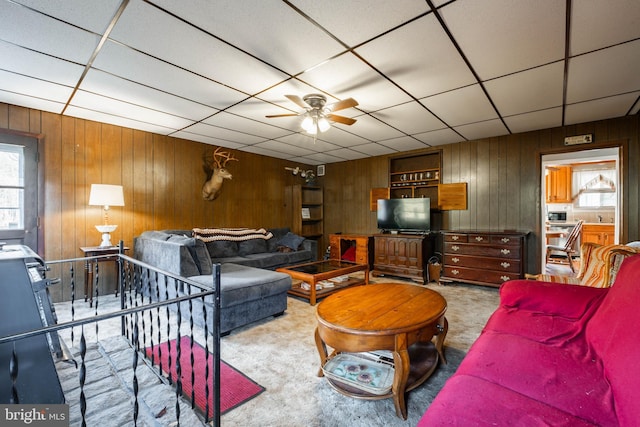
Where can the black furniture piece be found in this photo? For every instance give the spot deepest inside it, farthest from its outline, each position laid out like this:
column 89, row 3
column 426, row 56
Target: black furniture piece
column 25, row 307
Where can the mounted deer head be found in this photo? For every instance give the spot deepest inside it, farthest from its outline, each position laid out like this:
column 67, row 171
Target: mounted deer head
column 215, row 167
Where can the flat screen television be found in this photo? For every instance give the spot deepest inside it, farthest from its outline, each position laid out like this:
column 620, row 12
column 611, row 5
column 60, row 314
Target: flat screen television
column 405, row 215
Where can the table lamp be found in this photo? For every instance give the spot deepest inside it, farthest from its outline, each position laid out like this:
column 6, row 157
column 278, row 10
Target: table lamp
column 106, row 195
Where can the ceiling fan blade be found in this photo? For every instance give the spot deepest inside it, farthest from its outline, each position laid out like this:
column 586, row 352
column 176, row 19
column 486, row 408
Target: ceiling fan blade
column 281, row 115
column 341, row 119
column 341, row 105
column 299, row 101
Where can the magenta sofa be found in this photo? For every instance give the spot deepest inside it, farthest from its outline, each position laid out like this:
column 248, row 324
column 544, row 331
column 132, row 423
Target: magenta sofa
column 551, row 355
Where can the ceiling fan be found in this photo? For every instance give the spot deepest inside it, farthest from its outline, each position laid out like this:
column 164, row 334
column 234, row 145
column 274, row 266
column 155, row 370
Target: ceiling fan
column 317, row 113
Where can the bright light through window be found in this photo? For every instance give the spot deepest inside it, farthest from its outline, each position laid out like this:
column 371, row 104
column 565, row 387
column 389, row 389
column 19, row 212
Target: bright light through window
column 11, row 187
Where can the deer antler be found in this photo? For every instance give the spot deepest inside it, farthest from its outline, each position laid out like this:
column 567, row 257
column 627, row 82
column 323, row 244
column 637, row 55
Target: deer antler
column 219, row 155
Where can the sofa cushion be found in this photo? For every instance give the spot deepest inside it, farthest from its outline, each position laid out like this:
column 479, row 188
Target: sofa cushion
column 613, row 337
column 291, row 240
column 222, row 249
column 466, row 400
column 563, row 376
column 197, row 249
column 240, row 284
column 252, row 246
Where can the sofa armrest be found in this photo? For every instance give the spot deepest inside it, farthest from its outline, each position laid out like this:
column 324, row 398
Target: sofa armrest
column 170, row 256
column 550, row 298
column 311, row 245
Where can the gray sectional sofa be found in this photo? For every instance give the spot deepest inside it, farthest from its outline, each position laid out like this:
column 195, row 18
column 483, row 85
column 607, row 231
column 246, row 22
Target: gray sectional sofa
column 251, row 290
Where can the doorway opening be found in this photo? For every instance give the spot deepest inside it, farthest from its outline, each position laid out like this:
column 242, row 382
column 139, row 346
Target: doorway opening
column 579, row 186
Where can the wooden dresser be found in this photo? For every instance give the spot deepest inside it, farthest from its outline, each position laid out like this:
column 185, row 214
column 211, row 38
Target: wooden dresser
column 402, row 255
column 483, row 257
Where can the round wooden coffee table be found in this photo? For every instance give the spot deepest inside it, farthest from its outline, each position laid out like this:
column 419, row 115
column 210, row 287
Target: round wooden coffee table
column 398, row 317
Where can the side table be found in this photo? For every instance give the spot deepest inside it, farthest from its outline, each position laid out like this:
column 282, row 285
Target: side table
column 104, row 254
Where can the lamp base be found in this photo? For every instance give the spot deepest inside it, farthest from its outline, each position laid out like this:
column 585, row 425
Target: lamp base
column 106, row 236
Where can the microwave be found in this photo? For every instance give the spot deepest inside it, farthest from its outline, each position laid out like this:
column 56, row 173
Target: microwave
column 557, row 216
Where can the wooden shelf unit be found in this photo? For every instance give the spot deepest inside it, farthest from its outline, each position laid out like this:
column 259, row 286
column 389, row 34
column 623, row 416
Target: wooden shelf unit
column 339, row 243
column 415, row 176
column 312, row 199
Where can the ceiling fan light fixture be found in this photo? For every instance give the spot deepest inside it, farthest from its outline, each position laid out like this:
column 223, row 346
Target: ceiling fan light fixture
column 308, row 124
column 323, row 124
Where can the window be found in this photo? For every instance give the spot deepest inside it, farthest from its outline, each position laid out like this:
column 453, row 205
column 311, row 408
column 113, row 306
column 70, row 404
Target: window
column 596, row 186
column 11, row 187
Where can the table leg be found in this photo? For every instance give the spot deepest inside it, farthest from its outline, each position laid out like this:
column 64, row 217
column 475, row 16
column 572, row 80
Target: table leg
column 443, row 327
column 322, row 351
column 402, row 366
column 312, row 292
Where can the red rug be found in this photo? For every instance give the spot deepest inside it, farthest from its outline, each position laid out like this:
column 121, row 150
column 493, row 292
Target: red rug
column 235, row 387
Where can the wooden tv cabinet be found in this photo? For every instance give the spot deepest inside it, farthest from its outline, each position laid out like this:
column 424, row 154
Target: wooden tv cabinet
column 402, row 255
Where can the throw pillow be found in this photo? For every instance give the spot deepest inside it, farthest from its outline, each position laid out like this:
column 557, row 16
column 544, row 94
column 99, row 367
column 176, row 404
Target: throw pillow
column 222, row 249
column 291, row 240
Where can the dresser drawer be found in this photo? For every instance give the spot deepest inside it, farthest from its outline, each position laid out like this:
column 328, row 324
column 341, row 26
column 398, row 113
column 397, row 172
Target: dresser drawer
column 481, row 250
column 477, row 275
column 454, row 237
column 479, row 239
column 496, row 264
column 506, row 240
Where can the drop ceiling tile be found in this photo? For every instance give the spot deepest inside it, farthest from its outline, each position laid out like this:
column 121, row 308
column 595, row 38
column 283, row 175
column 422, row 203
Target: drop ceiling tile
column 434, row 67
column 24, row 85
column 374, row 149
column 481, row 130
column 264, row 152
column 530, row 90
column 598, row 24
column 90, row 15
column 146, row 28
column 461, row 106
column 268, row 29
column 374, row 17
column 349, row 77
column 291, row 149
column 307, row 142
column 342, row 137
column 600, row 109
column 30, row 102
column 114, row 87
column 144, row 69
column 317, row 159
column 98, row 116
column 347, row 154
column 439, row 137
column 52, row 37
column 206, row 139
column 37, row 65
column 611, row 71
column 98, row 103
column 543, row 119
column 373, row 129
column 405, row 143
column 410, row 118
column 246, row 125
column 223, row 134
column 498, row 38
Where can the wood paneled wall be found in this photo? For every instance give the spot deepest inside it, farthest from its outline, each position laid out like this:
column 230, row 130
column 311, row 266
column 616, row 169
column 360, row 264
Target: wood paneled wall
column 503, row 176
column 162, row 179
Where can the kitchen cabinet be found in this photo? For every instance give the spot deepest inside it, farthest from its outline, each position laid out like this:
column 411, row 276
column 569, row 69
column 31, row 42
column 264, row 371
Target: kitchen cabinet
column 558, row 185
column 602, row 234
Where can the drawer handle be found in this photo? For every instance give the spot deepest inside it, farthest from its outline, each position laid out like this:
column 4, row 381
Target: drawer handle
column 479, row 238
column 505, row 240
column 505, row 265
column 455, row 248
column 454, row 237
column 505, row 278
column 455, row 259
column 455, row 272
column 505, row 251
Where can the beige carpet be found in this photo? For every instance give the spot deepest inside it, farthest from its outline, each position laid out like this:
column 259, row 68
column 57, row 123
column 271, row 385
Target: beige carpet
column 280, row 354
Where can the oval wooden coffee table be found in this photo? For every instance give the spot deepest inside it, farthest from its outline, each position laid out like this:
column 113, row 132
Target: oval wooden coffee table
column 398, row 317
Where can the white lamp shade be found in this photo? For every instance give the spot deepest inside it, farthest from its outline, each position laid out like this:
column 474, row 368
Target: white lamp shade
column 106, row 195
